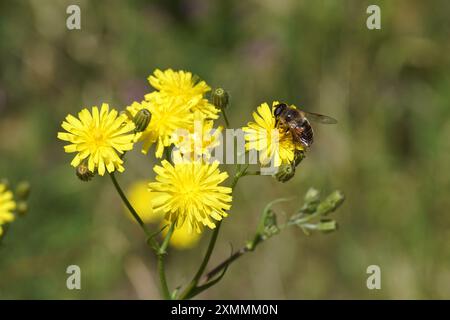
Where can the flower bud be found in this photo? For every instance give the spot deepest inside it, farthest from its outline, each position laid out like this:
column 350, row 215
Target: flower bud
column 21, row 208
column 220, row 98
column 331, row 203
column 285, row 172
column 312, row 195
column 142, row 119
column 298, row 157
column 270, row 224
column 83, row 173
column 23, row 190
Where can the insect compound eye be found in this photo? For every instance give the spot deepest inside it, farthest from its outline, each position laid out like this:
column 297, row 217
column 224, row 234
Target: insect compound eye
column 279, row 109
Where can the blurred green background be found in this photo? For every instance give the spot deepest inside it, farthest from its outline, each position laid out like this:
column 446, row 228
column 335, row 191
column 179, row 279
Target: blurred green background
column 390, row 152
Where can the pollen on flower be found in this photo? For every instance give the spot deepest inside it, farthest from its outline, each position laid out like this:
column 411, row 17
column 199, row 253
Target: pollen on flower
column 271, row 143
column 190, row 193
column 98, row 136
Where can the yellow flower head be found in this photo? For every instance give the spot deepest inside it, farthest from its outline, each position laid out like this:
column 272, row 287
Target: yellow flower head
column 141, row 199
column 7, row 206
column 272, row 144
column 181, row 238
column 98, row 136
column 189, row 192
column 183, row 86
column 200, row 140
column 177, row 84
column 168, row 115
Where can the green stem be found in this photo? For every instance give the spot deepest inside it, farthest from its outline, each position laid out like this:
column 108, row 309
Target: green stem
column 227, row 123
column 161, row 266
column 189, row 292
column 228, row 261
column 128, row 204
column 307, row 218
column 133, row 212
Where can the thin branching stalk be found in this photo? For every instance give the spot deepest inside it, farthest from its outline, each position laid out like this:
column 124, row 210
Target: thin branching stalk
column 161, row 266
column 128, row 204
column 133, row 212
column 190, row 290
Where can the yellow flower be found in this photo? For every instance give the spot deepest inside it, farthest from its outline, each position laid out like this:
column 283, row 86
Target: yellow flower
column 7, row 205
column 183, row 86
column 181, row 238
column 177, row 84
column 272, row 144
column 168, row 115
column 200, row 140
column 141, row 199
column 98, row 136
column 189, row 192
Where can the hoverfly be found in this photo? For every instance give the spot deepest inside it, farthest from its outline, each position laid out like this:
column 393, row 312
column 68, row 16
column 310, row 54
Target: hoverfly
column 297, row 122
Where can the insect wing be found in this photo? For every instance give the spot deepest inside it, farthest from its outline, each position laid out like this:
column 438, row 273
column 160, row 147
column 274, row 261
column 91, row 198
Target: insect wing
column 320, row 118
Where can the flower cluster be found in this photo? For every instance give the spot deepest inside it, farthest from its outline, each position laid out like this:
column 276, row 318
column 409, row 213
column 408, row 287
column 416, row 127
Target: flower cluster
column 178, row 115
column 178, row 97
column 178, row 120
column 188, row 194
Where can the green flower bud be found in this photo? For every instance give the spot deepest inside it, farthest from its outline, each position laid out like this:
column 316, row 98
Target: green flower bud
column 331, row 203
column 220, row 98
column 312, row 195
column 21, row 208
column 270, row 219
column 285, row 172
column 83, row 173
column 23, row 190
column 142, row 119
column 270, row 224
column 298, row 157
column 311, row 201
